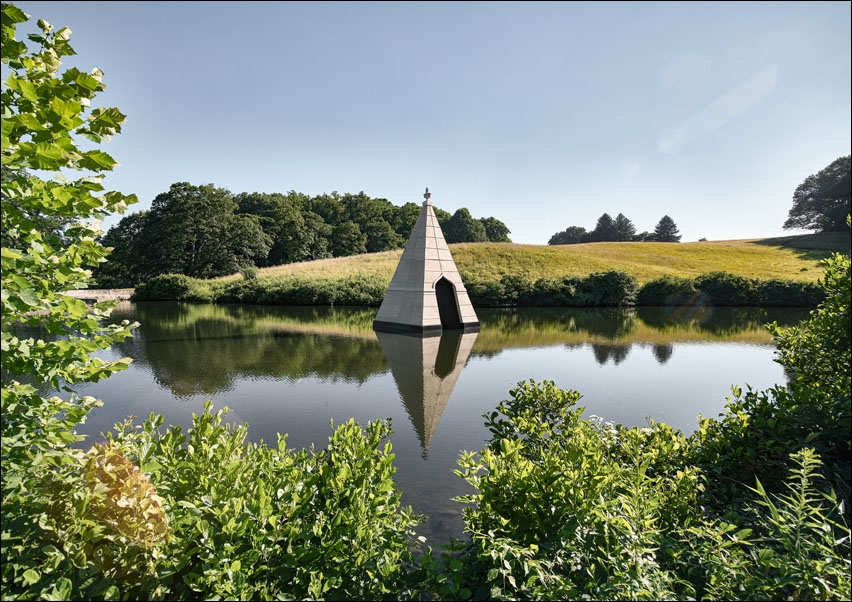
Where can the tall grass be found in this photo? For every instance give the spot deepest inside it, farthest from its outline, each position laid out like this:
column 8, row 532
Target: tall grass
column 787, row 258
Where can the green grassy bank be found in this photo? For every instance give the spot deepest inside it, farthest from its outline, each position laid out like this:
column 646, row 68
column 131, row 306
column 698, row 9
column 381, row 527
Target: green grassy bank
column 785, row 258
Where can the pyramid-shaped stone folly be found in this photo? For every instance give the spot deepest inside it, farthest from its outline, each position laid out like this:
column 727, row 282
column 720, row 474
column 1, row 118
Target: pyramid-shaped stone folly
column 426, row 294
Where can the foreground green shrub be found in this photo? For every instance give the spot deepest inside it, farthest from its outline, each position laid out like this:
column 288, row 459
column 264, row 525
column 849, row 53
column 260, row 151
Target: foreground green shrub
column 759, row 430
column 569, row 508
column 251, row 521
column 790, row 546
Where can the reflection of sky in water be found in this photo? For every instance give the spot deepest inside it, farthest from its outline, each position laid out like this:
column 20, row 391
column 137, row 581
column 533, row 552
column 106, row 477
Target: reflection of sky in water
column 619, row 383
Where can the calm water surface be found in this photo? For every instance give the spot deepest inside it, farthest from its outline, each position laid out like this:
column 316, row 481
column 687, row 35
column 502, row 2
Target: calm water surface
column 292, row 370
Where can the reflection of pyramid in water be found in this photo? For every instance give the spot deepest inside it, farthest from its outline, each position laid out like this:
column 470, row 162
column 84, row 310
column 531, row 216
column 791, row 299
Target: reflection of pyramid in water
column 426, row 293
column 426, row 370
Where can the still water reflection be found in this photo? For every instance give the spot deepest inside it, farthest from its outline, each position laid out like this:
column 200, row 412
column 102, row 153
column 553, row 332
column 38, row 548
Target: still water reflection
column 293, row 370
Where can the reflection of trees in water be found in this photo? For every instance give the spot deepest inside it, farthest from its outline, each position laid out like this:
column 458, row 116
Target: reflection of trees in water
column 196, row 349
column 205, row 352
column 605, row 352
column 606, row 322
column 663, row 352
column 719, row 321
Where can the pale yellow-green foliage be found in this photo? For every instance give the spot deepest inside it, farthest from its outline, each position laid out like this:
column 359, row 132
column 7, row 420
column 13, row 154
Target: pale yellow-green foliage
column 123, row 498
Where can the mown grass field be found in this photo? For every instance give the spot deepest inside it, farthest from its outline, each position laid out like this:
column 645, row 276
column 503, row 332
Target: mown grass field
column 787, row 258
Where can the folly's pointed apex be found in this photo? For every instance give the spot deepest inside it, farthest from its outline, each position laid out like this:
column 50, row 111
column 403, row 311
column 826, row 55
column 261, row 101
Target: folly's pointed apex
column 426, row 196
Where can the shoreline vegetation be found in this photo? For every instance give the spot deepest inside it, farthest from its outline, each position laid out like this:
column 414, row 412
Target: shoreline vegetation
column 771, row 272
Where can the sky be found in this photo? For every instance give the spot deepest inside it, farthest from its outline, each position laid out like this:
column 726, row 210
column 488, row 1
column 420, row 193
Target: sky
column 543, row 115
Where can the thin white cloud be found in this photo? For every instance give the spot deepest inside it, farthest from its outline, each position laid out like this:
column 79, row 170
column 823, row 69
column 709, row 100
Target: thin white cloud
column 720, row 111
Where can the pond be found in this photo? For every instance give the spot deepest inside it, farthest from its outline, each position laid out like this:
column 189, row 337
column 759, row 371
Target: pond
column 293, row 370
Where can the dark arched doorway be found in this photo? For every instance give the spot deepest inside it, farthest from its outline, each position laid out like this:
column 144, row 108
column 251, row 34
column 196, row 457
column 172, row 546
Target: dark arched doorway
column 448, row 309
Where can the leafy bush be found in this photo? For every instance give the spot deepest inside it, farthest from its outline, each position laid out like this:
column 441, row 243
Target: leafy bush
column 795, row 547
column 517, row 290
column 485, row 293
column 759, row 430
column 669, row 291
column 173, row 287
column 608, row 289
column 555, row 292
column 567, row 508
column 365, row 291
column 728, row 290
column 789, row 293
column 251, row 521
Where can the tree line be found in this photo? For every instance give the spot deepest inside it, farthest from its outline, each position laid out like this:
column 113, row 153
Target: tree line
column 205, row 231
column 619, row 229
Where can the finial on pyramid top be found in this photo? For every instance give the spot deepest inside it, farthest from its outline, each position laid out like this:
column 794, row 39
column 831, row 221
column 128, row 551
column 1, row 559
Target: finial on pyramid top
column 426, row 196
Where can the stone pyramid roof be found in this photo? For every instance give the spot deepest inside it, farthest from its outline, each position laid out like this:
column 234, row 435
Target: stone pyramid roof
column 426, row 294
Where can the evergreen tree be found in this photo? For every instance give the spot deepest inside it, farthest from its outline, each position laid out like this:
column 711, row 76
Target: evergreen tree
column 604, row 229
column 666, row 230
column 624, row 228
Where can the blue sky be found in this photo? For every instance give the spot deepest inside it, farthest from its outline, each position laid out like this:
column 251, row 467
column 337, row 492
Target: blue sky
column 542, row 115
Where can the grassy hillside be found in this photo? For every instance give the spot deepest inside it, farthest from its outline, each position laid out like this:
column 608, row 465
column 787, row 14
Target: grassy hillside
column 788, row 258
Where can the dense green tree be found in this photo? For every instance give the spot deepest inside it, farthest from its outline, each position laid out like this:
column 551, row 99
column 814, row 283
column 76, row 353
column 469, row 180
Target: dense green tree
column 823, row 200
column 282, row 219
column 572, row 235
column 374, row 217
column 347, row 239
column 316, row 236
column 381, row 236
column 495, row 230
column 246, row 242
column 666, row 230
column 405, row 218
column 329, row 207
column 442, row 216
column 193, row 230
column 128, row 255
column 624, row 228
column 604, row 230
column 462, row 227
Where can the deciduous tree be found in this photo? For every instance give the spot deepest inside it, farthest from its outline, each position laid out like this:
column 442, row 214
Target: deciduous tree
column 462, row 227
column 572, row 235
column 822, row 201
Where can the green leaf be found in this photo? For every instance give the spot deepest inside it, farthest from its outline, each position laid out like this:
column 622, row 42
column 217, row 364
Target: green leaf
column 31, row 576
column 97, row 161
column 63, row 588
